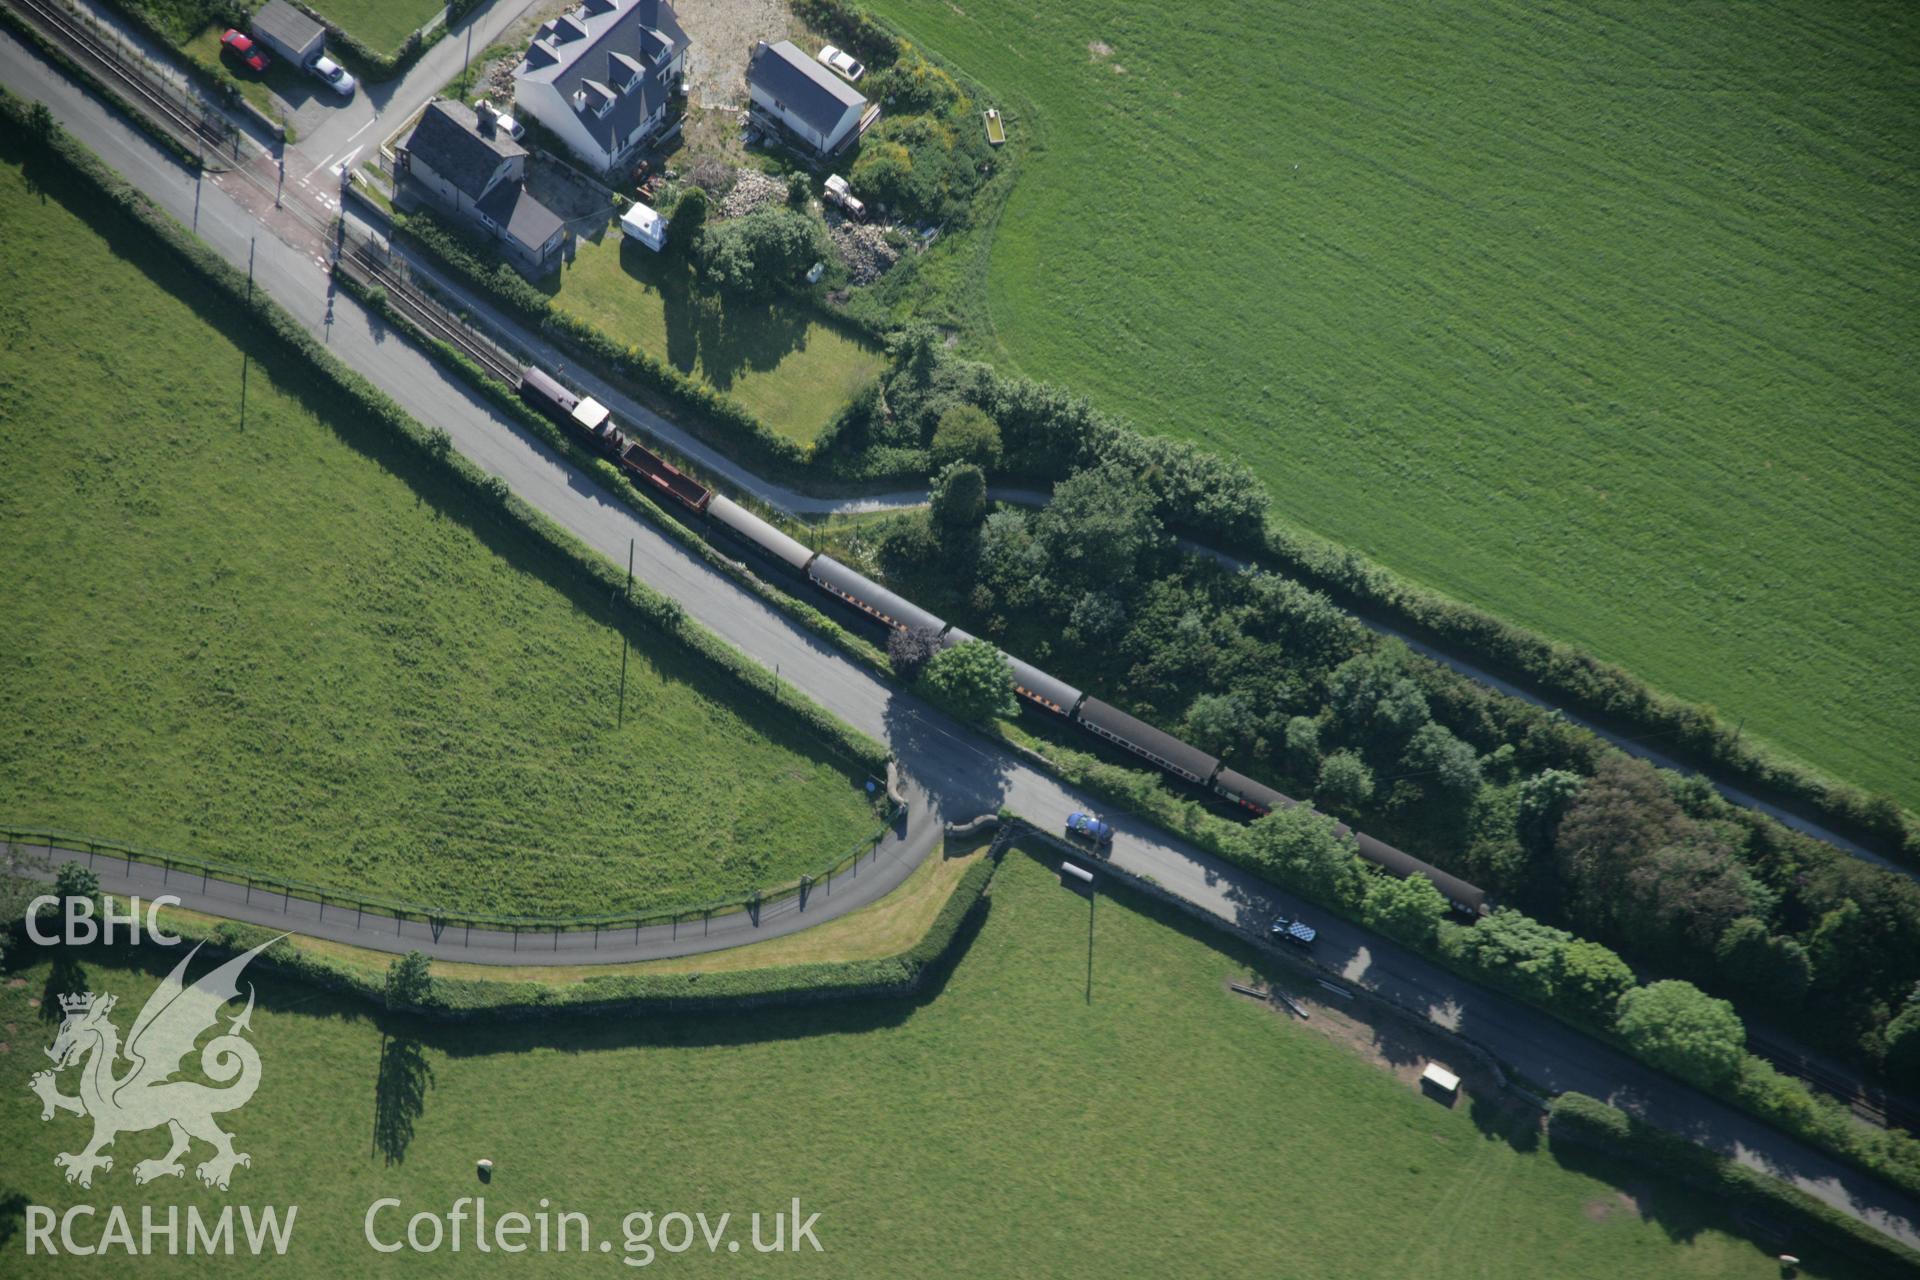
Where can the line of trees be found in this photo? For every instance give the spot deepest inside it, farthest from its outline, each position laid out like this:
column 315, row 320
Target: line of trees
column 1289, row 688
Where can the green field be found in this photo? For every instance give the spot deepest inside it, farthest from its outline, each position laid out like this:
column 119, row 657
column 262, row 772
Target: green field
column 286, row 644
column 1600, row 317
column 381, row 25
column 1004, row 1125
column 773, row 356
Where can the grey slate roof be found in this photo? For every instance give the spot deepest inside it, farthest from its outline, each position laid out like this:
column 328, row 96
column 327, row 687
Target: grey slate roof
column 806, row 88
column 524, row 218
column 596, row 50
column 448, row 141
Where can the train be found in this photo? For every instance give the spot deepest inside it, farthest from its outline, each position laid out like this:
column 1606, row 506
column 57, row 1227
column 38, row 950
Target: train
column 589, row 423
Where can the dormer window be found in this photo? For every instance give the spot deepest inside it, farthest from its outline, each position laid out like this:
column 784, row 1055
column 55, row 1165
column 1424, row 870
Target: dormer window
column 625, row 72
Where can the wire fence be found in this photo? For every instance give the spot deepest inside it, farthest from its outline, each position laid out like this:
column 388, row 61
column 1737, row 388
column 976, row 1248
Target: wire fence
column 315, row 900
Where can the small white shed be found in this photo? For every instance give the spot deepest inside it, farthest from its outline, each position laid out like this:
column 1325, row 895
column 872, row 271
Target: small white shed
column 644, row 223
column 1439, row 1078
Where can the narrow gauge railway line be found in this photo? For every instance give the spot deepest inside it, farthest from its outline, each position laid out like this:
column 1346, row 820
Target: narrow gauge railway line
column 429, row 316
column 86, row 46
column 1890, row 1113
column 591, row 424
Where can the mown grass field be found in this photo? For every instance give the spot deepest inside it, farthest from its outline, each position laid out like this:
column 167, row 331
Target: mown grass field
column 381, row 25
column 1003, row 1125
column 775, row 357
column 1600, row 318
column 285, row 645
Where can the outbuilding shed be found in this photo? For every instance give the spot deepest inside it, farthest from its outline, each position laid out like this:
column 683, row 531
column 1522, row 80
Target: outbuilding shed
column 290, row 33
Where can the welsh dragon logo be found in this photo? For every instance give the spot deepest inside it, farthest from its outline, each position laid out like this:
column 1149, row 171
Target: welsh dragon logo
column 145, row 1095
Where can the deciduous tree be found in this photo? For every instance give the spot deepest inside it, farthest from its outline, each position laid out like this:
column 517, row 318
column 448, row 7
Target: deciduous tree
column 966, row 434
column 1755, row 962
column 959, row 497
column 1301, row 849
column 1410, row 909
column 1345, row 781
column 1680, row 1028
column 971, row 679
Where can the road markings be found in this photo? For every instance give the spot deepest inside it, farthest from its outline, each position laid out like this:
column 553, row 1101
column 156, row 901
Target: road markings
column 363, row 128
column 346, row 162
column 317, row 168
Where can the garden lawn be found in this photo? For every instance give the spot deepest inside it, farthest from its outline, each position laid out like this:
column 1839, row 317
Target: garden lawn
column 1005, row 1125
column 774, row 356
column 262, row 88
column 381, row 25
column 1600, row 318
column 287, row 644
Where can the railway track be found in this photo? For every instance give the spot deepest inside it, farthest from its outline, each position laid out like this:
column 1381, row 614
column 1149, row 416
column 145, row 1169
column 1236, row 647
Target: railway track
column 428, row 315
column 111, row 62
column 1884, row 1114
column 83, row 44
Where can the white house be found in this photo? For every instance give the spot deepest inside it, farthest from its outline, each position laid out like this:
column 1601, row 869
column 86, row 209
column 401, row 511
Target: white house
column 600, row 77
column 809, row 102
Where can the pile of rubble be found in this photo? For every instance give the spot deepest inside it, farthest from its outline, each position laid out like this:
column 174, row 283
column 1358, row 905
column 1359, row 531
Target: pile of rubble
column 752, row 190
column 863, row 248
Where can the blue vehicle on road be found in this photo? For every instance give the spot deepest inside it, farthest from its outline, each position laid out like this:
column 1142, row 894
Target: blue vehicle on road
column 1086, row 827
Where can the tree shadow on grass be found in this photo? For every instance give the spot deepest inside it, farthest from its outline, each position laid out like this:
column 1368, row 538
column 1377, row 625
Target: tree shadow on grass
column 718, row 336
column 399, row 1095
column 13, row 1212
column 66, row 977
column 1680, row 1215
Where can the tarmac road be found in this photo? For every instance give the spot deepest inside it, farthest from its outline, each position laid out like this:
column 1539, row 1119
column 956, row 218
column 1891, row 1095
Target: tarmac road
column 960, row 773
